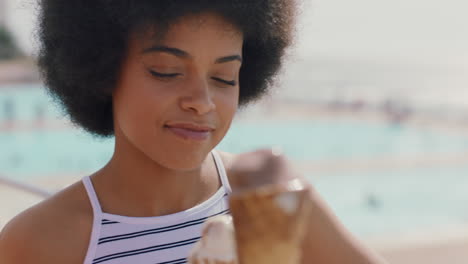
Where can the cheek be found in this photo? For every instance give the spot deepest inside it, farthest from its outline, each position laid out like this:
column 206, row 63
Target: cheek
column 232, row 102
column 130, row 105
column 135, row 105
column 227, row 107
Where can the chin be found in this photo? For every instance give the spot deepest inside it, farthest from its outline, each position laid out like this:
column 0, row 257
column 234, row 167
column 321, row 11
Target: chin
column 184, row 161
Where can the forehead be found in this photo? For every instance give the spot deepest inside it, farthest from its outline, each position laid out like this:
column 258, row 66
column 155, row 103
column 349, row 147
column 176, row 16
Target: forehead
column 193, row 32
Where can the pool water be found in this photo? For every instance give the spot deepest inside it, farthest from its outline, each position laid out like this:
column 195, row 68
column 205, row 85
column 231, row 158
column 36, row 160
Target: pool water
column 370, row 203
column 44, row 152
column 400, row 200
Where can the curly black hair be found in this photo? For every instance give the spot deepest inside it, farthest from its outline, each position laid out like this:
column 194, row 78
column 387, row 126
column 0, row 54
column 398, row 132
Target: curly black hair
column 83, row 43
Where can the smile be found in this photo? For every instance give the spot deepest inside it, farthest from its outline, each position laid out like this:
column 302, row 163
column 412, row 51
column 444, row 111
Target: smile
column 189, row 131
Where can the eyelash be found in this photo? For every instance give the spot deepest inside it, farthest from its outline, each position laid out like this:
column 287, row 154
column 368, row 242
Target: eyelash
column 172, row 75
column 231, row 83
column 163, row 75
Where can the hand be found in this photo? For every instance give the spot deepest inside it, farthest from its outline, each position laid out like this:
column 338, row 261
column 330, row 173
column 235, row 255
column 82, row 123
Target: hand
column 262, row 168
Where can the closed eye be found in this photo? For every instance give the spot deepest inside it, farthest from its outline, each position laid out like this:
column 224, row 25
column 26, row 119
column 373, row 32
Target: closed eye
column 172, row 75
column 164, row 75
column 232, row 83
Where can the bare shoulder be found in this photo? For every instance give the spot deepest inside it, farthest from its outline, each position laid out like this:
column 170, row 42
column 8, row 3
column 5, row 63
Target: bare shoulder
column 55, row 230
column 228, row 159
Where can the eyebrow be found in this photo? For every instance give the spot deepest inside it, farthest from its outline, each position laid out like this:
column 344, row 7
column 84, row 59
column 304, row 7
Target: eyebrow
column 174, row 51
column 229, row 58
column 183, row 54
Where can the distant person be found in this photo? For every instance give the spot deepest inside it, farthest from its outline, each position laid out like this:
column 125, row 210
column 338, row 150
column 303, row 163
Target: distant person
column 39, row 111
column 165, row 79
column 395, row 112
column 9, row 113
column 373, row 201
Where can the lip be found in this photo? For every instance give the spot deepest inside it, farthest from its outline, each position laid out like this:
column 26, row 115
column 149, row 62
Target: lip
column 190, row 130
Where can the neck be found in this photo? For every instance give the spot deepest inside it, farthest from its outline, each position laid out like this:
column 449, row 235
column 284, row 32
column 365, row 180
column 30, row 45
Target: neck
column 132, row 184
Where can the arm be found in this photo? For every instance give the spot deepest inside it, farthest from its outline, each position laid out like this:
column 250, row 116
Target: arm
column 49, row 232
column 14, row 243
column 327, row 241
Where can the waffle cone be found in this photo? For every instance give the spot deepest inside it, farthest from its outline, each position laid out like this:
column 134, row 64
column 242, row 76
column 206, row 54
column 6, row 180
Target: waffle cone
column 270, row 223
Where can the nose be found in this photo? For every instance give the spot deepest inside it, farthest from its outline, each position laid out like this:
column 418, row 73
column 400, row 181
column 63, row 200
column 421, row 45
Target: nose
column 197, row 97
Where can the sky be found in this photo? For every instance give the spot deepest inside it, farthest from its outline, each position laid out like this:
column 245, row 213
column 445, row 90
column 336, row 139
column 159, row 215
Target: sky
column 398, row 29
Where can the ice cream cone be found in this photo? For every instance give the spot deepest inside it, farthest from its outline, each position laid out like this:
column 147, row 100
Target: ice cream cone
column 270, row 223
column 267, row 227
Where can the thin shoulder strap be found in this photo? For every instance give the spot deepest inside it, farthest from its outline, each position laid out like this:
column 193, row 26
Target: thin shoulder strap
column 92, row 195
column 221, row 171
column 97, row 218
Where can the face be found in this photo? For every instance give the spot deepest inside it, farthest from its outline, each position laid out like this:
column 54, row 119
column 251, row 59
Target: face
column 176, row 97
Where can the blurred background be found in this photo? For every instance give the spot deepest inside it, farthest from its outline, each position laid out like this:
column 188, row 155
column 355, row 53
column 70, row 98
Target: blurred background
column 372, row 107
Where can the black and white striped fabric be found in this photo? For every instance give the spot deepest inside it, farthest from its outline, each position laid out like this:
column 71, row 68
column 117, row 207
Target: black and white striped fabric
column 117, row 239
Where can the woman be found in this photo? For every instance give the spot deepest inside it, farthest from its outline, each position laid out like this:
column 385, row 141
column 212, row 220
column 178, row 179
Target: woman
column 165, row 78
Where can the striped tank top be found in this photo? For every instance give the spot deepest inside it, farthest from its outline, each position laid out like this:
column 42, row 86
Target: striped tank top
column 167, row 239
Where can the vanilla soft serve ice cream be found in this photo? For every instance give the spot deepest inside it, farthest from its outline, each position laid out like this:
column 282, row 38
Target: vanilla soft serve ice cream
column 217, row 245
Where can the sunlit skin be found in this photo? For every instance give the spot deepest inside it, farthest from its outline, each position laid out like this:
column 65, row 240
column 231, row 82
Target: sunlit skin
column 191, row 76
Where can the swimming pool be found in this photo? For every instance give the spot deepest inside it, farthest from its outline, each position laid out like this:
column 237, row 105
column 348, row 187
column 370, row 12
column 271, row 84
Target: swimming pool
column 370, row 202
